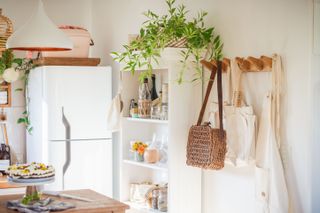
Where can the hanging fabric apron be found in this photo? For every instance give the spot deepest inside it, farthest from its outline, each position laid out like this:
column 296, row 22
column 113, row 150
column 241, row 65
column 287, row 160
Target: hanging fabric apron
column 271, row 189
column 239, row 120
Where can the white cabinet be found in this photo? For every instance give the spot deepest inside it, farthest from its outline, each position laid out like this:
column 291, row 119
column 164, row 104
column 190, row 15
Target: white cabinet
column 184, row 104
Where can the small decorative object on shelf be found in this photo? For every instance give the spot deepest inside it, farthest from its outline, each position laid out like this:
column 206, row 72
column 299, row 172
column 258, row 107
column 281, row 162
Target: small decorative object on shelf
column 5, row 94
column 138, row 148
column 155, row 195
column 144, row 104
column 5, row 157
column 163, row 199
column 151, row 155
column 139, row 192
column 133, row 109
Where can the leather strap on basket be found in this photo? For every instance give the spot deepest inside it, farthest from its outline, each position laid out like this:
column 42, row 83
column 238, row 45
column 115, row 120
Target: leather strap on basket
column 220, row 97
column 209, row 87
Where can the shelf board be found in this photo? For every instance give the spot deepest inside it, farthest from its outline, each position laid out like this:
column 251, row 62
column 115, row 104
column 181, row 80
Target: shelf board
column 155, row 166
column 142, row 208
column 147, row 120
column 66, row 61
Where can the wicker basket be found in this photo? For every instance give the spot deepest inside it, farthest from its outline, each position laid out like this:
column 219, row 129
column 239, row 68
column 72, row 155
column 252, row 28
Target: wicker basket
column 6, row 29
column 180, row 43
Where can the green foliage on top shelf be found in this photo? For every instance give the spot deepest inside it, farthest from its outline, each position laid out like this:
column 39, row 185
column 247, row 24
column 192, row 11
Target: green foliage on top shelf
column 158, row 31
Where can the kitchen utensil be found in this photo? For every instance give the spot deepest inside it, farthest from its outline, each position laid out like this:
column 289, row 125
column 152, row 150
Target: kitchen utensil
column 63, row 195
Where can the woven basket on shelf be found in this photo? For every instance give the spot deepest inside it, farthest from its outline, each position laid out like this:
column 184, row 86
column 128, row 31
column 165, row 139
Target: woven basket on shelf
column 6, row 30
column 177, row 43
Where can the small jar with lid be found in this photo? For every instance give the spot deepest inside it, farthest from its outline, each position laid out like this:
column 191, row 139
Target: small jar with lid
column 154, row 201
column 163, row 199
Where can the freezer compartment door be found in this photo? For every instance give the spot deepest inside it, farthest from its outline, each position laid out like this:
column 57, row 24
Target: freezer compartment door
column 90, row 166
column 84, row 93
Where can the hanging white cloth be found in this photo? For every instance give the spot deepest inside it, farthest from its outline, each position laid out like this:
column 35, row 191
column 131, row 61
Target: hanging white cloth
column 271, row 189
column 239, row 121
column 114, row 110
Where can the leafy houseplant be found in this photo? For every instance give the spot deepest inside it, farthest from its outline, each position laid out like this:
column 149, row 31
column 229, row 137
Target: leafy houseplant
column 12, row 69
column 159, row 32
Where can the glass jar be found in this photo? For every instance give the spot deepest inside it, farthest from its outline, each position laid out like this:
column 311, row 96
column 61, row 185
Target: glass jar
column 156, row 112
column 163, row 199
column 164, row 112
column 154, row 201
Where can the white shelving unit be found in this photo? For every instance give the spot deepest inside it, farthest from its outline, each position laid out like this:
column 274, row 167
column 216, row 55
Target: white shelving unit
column 147, row 120
column 156, row 166
column 184, row 183
column 142, row 130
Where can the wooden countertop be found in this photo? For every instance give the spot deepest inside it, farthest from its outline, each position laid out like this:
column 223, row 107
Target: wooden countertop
column 100, row 203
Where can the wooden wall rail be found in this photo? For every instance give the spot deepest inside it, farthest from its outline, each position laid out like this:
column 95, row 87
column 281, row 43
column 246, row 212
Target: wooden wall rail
column 249, row 64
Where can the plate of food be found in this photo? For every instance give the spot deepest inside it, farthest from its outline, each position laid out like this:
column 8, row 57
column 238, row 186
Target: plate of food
column 33, row 173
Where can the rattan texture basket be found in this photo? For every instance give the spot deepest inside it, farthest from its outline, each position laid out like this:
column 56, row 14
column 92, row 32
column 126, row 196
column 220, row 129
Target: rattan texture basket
column 6, row 29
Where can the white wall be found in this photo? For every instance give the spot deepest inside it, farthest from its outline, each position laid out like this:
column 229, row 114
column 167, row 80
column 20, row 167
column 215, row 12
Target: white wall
column 315, row 147
column 70, row 12
column 248, row 27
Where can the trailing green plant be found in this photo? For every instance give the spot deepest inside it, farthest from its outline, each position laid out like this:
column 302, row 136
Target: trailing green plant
column 25, row 68
column 28, row 199
column 8, row 63
column 158, row 31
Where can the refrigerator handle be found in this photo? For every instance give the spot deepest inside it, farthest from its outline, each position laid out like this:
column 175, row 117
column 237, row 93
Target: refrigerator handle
column 68, row 145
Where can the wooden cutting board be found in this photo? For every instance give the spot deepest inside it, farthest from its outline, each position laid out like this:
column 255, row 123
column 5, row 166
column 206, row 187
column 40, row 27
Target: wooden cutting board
column 100, row 203
column 57, row 61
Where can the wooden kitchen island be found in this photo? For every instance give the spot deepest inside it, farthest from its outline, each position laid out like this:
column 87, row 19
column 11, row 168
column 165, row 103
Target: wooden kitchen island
column 100, row 203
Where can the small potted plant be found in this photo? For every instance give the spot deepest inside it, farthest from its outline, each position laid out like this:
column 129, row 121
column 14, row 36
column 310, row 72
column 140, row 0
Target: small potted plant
column 138, row 148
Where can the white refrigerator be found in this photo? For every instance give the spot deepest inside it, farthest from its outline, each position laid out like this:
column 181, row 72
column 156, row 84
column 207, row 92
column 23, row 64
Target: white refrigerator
column 68, row 114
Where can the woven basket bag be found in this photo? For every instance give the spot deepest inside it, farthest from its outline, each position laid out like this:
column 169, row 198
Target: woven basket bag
column 207, row 146
column 6, row 30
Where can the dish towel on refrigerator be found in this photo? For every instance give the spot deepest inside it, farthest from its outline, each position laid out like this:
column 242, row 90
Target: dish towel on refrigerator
column 271, row 189
column 114, row 110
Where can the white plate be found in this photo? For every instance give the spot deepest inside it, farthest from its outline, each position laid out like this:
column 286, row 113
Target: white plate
column 31, row 182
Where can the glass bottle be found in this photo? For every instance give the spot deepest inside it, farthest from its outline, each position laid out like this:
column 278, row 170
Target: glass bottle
column 144, row 103
column 154, row 94
column 144, row 91
column 164, row 102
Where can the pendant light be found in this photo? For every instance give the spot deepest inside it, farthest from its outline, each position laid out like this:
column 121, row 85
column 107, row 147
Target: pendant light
column 39, row 33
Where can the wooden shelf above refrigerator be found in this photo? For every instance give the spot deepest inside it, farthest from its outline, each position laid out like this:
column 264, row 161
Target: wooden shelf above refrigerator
column 59, row 61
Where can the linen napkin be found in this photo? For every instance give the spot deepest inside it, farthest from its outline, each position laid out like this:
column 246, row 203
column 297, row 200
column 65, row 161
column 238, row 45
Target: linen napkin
column 43, row 206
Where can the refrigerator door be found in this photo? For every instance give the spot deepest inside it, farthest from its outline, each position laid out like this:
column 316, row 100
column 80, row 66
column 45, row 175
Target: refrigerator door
column 90, row 166
column 83, row 93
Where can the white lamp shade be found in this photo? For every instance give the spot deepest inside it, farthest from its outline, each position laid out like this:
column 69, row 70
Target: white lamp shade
column 39, row 33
